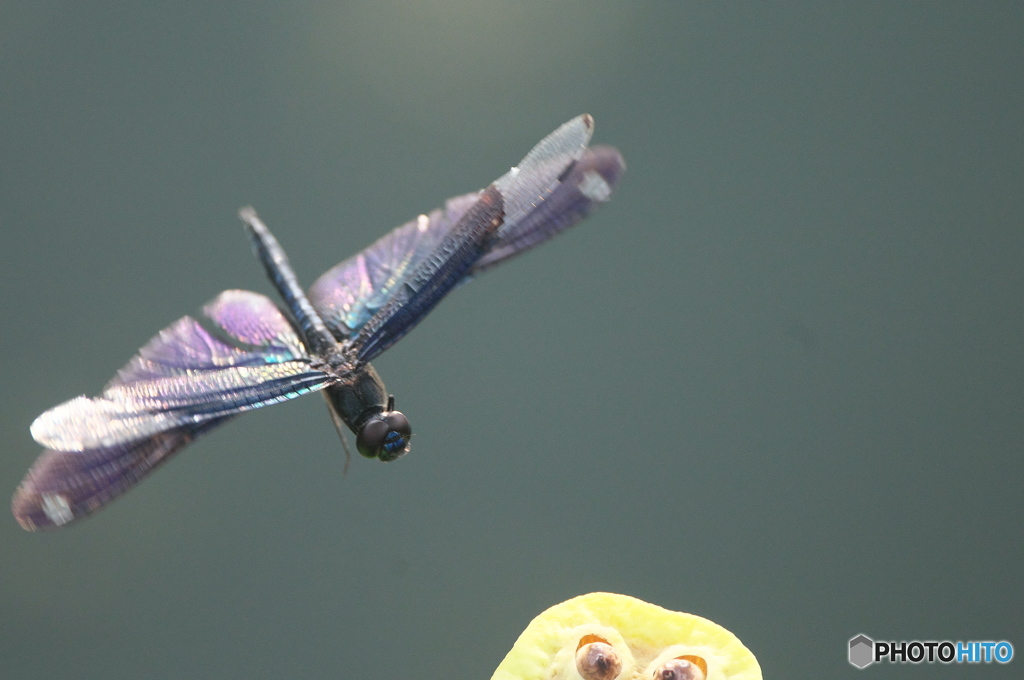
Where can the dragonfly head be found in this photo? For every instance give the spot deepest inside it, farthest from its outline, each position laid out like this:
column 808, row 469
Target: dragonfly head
column 385, row 435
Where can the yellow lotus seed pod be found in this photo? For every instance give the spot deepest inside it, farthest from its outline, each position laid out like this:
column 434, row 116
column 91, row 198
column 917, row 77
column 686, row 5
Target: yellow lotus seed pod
column 602, row 636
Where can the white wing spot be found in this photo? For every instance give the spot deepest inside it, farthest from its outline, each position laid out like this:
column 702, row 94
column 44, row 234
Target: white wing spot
column 513, row 171
column 57, row 509
column 595, row 187
column 422, row 222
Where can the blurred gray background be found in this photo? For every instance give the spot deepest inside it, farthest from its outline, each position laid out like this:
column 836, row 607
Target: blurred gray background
column 777, row 382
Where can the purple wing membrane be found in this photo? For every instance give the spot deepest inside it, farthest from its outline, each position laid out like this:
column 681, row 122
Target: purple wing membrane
column 590, row 181
column 63, row 486
column 433, row 278
column 349, row 294
column 237, row 329
column 505, row 202
column 240, row 354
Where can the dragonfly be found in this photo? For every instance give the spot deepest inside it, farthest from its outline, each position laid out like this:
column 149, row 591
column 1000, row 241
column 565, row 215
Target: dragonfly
column 242, row 351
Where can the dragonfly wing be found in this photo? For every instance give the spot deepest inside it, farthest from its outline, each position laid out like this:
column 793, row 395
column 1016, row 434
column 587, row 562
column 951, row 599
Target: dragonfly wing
column 505, row 202
column 590, row 181
column 524, row 186
column 433, row 278
column 348, row 294
column 400, row 278
column 63, row 486
column 241, row 353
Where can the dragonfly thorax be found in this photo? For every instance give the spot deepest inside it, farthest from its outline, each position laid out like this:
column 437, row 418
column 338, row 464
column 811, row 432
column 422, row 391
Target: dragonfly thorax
column 338, row 362
column 361, row 401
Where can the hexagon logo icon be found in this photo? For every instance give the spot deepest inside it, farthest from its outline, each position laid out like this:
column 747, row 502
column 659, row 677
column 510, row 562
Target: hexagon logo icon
column 862, row 651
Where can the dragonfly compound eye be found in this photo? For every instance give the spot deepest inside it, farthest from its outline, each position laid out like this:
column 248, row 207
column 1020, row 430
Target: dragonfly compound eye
column 385, row 437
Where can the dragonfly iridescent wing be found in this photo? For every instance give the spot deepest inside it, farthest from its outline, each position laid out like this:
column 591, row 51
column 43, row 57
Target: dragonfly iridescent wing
column 350, row 293
column 589, row 182
column 65, row 485
column 501, row 205
column 241, row 353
